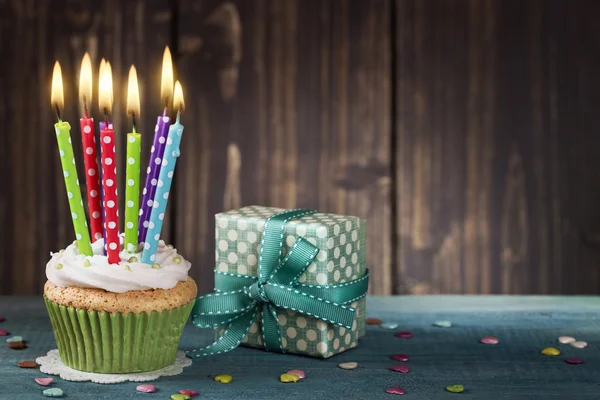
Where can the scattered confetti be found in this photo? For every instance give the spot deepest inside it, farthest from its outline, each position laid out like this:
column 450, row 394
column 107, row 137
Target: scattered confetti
column 574, row 361
column 551, row 351
column 389, row 325
column 3, row 332
column 289, row 378
column 400, row 368
column 373, row 321
column 44, row 381
column 348, row 365
column 399, row 357
column 395, row 390
column 189, row 392
column 580, row 344
column 14, row 339
column 27, row 364
column 404, row 335
column 53, row 392
column 2, row 319
column 179, row 396
column 146, row 388
column 566, row 339
column 455, row 388
column 17, row 345
column 442, row 324
column 489, row 340
column 223, row 378
column 298, row 372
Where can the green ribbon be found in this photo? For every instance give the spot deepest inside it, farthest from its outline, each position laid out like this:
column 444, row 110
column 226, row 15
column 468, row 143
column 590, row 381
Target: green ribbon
column 238, row 298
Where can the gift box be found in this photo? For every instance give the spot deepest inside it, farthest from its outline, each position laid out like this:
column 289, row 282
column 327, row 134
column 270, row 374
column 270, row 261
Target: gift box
column 313, row 305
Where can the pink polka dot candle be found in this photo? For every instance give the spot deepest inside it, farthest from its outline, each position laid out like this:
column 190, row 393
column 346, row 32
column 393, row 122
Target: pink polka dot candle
column 109, row 170
column 92, row 175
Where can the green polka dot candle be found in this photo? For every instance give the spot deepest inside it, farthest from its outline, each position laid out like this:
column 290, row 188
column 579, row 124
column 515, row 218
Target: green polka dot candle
column 67, row 160
column 132, row 173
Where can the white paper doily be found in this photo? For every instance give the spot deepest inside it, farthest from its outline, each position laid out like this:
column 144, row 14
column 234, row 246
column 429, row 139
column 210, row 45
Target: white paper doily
column 53, row 365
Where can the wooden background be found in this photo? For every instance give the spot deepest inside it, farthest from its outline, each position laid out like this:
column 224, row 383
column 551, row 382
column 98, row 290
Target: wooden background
column 465, row 131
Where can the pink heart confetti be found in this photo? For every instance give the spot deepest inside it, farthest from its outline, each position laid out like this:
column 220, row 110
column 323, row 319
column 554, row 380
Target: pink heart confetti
column 298, row 372
column 395, row 390
column 146, row 388
column 399, row 357
column 44, row 381
column 574, row 361
column 403, row 335
column 400, row 368
column 3, row 332
column 189, row 392
column 489, row 340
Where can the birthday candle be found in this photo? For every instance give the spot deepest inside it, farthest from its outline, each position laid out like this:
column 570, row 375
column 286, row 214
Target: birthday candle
column 134, row 141
column 165, row 179
column 109, row 169
column 67, row 160
column 89, row 150
column 158, row 147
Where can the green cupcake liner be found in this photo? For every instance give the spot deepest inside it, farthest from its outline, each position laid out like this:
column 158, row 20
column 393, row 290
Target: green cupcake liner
column 103, row 342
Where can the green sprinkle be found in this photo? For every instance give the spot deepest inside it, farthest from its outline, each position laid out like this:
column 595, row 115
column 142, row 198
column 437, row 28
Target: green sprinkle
column 126, row 268
column 86, row 263
column 61, row 251
column 156, row 266
column 59, row 266
column 133, row 259
column 180, row 397
column 177, row 260
column 455, row 388
column 169, row 246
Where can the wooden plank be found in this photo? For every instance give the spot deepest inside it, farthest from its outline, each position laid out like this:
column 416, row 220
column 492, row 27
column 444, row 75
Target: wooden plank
column 496, row 164
column 38, row 32
column 307, row 109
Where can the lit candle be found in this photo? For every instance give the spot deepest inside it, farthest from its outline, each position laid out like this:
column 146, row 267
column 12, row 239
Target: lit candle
column 67, row 160
column 134, row 142
column 88, row 139
column 164, row 181
column 109, row 168
column 158, row 146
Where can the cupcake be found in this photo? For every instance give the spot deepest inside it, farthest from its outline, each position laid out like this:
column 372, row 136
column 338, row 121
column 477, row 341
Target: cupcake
column 118, row 318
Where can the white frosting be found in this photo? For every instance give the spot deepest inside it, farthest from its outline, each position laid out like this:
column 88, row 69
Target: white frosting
column 114, row 277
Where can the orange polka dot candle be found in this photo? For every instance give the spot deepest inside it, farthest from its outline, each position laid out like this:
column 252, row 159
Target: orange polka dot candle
column 67, row 160
column 88, row 139
column 109, row 169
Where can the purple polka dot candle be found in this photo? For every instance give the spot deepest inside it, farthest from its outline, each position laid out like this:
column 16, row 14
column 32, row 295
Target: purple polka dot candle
column 161, row 131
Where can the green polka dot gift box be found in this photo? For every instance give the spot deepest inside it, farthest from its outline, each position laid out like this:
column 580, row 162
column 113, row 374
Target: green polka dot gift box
column 290, row 281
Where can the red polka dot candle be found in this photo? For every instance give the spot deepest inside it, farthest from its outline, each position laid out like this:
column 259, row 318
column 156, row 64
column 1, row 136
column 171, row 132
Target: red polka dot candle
column 109, row 169
column 89, row 150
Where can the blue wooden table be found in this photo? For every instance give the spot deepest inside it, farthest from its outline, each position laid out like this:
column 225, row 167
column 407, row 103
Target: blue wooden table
column 513, row 369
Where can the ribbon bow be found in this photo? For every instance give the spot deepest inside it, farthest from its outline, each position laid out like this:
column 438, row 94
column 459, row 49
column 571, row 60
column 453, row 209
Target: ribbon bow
column 276, row 286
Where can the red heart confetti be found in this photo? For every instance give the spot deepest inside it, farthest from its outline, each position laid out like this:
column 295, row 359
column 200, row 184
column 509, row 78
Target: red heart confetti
column 400, row 368
column 403, row 335
column 189, row 392
column 399, row 357
column 395, row 390
column 489, row 340
column 574, row 361
column 3, row 332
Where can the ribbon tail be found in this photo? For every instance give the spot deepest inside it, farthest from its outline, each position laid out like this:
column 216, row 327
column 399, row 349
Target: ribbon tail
column 270, row 328
column 233, row 336
column 343, row 293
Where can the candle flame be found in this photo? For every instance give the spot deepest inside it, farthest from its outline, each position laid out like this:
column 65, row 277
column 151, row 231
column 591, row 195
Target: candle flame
column 105, row 92
column 166, row 83
column 85, row 80
column 178, row 102
column 57, row 96
column 133, row 94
